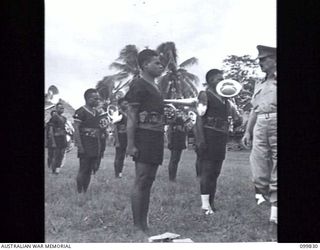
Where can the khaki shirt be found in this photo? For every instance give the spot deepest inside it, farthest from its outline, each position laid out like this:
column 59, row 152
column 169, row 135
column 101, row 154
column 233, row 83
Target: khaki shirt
column 264, row 99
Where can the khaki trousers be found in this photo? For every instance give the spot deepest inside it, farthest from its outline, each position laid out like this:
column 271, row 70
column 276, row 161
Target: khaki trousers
column 263, row 157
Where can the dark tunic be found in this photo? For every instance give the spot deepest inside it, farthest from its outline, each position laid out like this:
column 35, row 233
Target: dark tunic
column 58, row 122
column 92, row 131
column 216, row 138
column 149, row 133
column 177, row 135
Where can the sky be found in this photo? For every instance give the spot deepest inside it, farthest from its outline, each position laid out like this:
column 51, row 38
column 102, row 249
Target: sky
column 83, row 37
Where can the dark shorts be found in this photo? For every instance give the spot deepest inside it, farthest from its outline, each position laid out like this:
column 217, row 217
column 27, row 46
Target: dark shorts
column 61, row 141
column 216, row 145
column 178, row 141
column 150, row 146
column 92, row 147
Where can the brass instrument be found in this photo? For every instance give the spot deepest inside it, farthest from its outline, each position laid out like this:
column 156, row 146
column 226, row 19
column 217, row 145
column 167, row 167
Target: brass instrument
column 113, row 113
column 183, row 108
column 226, row 88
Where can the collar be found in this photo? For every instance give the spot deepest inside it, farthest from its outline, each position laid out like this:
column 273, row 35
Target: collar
column 93, row 112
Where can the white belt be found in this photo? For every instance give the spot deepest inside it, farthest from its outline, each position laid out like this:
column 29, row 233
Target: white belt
column 267, row 115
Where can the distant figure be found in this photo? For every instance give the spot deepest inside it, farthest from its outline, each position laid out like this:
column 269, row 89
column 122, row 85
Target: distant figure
column 120, row 138
column 145, row 131
column 58, row 137
column 88, row 124
column 49, row 139
column 69, row 130
column 103, row 133
column 176, row 134
column 261, row 132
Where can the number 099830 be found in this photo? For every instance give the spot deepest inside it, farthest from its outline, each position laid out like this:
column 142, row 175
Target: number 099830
column 308, row 245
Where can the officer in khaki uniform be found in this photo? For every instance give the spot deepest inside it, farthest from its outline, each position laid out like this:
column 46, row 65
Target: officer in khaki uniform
column 262, row 131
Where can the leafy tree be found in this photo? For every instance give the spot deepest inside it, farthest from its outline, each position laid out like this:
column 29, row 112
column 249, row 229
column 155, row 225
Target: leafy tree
column 176, row 82
column 244, row 70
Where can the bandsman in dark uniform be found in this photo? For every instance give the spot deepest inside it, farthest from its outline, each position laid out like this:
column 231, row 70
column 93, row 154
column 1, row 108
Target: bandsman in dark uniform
column 120, row 138
column 262, row 131
column 49, row 140
column 100, row 110
column 211, row 131
column 58, row 136
column 145, row 131
column 176, row 143
column 89, row 125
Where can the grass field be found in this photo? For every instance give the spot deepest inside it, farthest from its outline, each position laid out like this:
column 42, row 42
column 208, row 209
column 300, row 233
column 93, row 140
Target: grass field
column 103, row 214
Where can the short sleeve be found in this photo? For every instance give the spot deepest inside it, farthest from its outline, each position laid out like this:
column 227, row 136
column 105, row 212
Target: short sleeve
column 135, row 95
column 79, row 115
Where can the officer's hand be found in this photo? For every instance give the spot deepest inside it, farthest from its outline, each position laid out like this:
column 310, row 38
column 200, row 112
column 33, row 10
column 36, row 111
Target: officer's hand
column 132, row 151
column 247, row 140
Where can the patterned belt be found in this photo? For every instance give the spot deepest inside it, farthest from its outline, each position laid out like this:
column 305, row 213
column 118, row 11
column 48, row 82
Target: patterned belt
column 217, row 124
column 267, row 115
column 151, row 117
column 91, row 132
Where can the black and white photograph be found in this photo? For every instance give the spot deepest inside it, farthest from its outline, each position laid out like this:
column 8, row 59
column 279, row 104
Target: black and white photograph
column 160, row 121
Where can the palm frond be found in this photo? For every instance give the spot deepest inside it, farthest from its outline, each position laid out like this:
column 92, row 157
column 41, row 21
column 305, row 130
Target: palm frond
column 105, row 86
column 189, row 62
column 189, row 88
column 168, row 54
column 121, row 66
column 129, row 54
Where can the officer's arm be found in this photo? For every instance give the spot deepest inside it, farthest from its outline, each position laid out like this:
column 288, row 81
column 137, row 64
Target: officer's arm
column 251, row 122
column 131, row 129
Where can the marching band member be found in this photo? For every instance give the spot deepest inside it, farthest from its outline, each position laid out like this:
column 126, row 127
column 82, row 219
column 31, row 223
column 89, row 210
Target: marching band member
column 145, row 131
column 88, row 124
column 176, row 134
column 57, row 135
column 120, row 138
column 211, row 132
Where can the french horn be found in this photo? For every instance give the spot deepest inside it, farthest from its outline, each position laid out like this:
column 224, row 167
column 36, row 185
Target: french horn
column 113, row 113
column 228, row 88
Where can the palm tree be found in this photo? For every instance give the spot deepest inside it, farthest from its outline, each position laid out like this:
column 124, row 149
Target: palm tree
column 177, row 82
column 127, row 65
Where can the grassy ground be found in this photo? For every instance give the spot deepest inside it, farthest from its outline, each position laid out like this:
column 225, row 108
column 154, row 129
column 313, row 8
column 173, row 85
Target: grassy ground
column 104, row 213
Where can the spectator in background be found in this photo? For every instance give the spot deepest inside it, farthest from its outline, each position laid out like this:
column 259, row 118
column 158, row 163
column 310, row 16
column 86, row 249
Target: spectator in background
column 49, row 140
column 58, row 136
column 120, row 142
column 176, row 134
